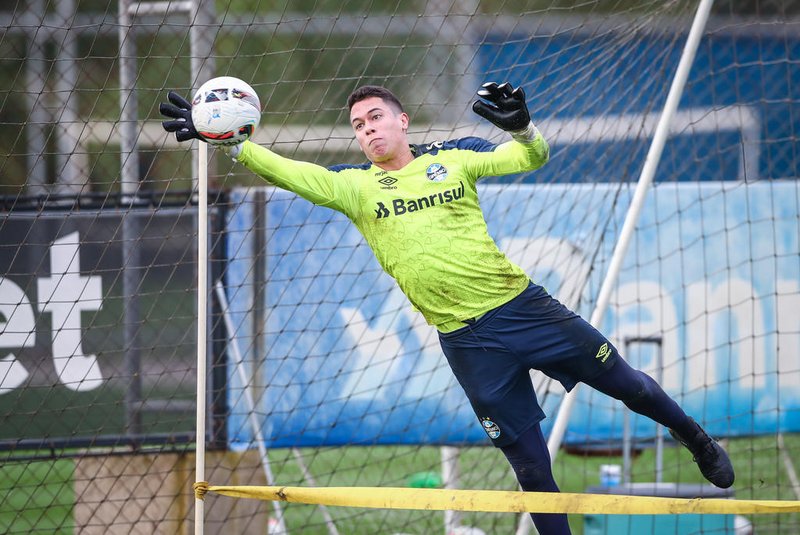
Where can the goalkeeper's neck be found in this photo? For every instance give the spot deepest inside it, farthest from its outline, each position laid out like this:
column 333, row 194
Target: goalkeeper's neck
column 395, row 162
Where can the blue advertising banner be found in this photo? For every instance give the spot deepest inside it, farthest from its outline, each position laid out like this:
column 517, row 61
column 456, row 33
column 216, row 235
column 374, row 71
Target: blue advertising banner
column 713, row 271
column 339, row 357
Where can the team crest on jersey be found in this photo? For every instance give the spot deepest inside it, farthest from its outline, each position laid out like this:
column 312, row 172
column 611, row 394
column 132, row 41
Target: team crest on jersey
column 491, row 428
column 436, row 172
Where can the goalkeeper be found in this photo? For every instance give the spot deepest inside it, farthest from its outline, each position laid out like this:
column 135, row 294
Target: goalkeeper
column 417, row 207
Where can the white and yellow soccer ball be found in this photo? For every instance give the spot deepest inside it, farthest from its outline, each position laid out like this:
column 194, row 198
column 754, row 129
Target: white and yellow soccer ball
column 226, row 111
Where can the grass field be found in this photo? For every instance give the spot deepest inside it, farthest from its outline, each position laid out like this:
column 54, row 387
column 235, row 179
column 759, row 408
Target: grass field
column 37, row 496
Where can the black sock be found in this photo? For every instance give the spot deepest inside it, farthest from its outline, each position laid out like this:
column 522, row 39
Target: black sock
column 531, row 463
column 643, row 395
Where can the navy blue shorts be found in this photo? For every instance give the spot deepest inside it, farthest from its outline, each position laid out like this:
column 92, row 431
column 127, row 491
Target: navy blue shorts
column 492, row 359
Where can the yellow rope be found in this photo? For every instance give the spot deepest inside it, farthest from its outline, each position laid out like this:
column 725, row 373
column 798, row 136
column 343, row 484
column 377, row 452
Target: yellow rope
column 200, row 489
column 502, row 501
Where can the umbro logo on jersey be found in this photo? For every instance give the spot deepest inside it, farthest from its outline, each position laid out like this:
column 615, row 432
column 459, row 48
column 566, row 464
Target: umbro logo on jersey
column 387, row 182
column 403, row 206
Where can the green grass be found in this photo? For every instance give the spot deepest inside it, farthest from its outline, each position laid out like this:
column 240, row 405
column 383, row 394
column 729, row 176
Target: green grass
column 37, row 497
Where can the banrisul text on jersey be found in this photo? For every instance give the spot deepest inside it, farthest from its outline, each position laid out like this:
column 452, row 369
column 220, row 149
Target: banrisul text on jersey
column 402, row 206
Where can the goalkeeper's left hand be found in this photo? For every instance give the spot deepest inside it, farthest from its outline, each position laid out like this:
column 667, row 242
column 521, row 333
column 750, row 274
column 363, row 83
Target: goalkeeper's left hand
column 180, row 113
column 503, row 106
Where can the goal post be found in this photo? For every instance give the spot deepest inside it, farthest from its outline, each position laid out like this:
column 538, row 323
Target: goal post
column 167, row 318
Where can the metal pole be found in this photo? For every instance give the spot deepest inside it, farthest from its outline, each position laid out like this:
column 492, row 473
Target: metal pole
column 128, row 121
column 72, row 173
column 35, row 79
column 627, row 434
column 202, row 16
column 450, row 476
column 129, row 185
column 202, row 315
column 201, row 47
column 238, row 363
column 202, row 12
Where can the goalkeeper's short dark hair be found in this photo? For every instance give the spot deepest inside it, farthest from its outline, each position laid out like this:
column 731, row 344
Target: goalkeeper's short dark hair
column 368, row 91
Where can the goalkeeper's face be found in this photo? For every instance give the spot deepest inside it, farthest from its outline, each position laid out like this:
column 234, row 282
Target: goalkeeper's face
column 381, row 131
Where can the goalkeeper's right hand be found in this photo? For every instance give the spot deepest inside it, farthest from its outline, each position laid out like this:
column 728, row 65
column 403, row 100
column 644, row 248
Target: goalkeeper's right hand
column 180, row 113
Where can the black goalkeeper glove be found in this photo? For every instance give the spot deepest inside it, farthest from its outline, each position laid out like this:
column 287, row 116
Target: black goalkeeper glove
column 503, row 106
column 180, row 111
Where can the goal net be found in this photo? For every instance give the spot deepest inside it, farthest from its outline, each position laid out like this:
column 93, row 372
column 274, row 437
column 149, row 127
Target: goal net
column 319, row 371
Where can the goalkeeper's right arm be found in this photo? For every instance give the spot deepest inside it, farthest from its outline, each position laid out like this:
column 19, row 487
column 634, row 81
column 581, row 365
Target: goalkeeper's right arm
column 311, row 181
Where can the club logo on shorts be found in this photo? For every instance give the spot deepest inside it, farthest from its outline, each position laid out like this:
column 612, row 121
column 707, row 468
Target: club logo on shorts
column 491, row 428
column 436, row 172
column 603, row 353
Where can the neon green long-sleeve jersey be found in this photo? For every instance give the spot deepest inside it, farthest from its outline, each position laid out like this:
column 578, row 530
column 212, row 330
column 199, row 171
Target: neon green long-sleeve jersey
column 423, row 222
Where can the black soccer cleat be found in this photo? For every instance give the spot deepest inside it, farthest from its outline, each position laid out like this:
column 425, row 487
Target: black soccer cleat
column 712, row 460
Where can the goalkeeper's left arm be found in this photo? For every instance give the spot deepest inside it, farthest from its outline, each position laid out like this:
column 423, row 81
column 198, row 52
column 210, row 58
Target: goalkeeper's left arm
column 505, row 107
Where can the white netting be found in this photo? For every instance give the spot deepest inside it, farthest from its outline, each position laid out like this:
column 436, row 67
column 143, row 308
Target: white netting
column 346, row 383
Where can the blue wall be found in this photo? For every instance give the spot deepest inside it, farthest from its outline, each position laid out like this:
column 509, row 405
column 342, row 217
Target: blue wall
column 611, row 73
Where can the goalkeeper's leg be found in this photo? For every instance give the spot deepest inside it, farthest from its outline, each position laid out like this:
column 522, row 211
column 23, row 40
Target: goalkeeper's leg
column 530, row 460
column 640, row 393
